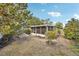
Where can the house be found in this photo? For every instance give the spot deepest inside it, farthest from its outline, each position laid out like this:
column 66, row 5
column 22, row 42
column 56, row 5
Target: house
column 42, row 29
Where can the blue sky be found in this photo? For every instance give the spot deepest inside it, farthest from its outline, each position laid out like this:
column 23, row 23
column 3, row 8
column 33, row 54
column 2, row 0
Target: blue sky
column 56, row 12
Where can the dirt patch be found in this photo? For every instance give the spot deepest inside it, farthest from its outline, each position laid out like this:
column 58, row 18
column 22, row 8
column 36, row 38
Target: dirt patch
column 37, row 47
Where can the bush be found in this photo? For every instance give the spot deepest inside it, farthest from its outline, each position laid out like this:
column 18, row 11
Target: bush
column 69, row 35
column 51, row 34
column 28, row 31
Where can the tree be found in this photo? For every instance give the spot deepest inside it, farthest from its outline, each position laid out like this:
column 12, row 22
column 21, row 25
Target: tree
column 71, row 29
column 59, row 28
column 13, row 17
column 34, row 21
column 47, row 21
column 59, row 25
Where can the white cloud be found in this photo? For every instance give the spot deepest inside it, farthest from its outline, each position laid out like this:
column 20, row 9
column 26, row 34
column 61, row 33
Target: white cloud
column 67, row 19
column 42, row 10
column 76, row 16
column 54, row 14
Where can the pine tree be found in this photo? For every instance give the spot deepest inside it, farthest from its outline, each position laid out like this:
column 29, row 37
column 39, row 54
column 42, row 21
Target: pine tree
column 13, row 17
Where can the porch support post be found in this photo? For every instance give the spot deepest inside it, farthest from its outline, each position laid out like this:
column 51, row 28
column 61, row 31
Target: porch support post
column 40, row 30
column 46, row 28
column 35, row 30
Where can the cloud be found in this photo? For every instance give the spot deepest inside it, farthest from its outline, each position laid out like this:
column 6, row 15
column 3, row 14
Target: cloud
column 42, row 10
column 68, row 19
column 54, row 14
column 76, row 16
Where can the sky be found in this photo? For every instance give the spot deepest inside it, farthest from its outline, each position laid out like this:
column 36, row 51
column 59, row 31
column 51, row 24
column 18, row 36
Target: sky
column 56, row 12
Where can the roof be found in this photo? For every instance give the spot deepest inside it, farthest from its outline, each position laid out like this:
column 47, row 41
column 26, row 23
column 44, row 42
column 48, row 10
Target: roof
column 41, row 25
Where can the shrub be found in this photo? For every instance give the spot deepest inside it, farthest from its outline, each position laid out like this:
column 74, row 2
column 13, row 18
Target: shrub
column 51, row 34
column 69, row 35
column 28, row 31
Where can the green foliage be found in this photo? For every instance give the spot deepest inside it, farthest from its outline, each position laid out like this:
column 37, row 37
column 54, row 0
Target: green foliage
column 47, row 21
column 71, row 29
column 13, row 17
column 13, row 20
column 28, row 31
column 70, row 35
column 59, row 25
column 38, row 21
column 34, row 21
column 51, row 34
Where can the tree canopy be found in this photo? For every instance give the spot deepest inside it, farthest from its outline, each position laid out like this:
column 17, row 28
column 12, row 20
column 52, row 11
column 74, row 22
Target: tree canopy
column 59, row 25
column 34, row 21
column 13, row 17
column 71, row 29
